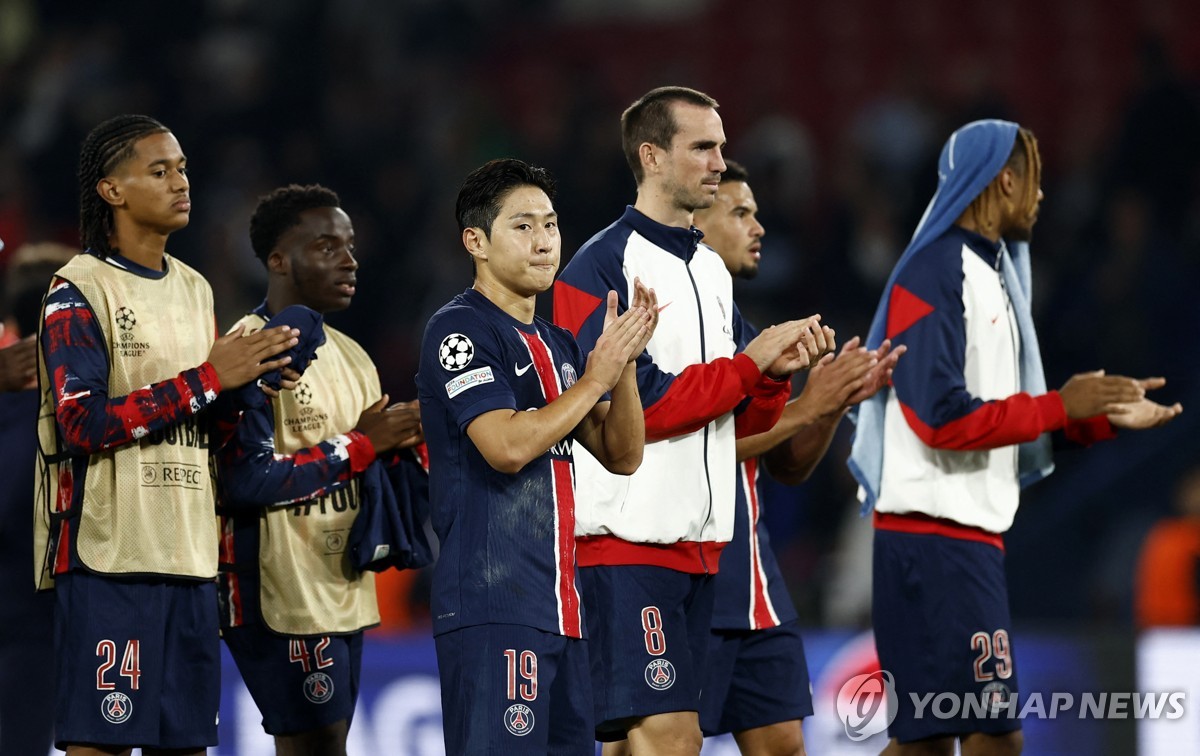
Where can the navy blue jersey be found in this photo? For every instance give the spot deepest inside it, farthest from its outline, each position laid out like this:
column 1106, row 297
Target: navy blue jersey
column 751, row 594
column 507, row 541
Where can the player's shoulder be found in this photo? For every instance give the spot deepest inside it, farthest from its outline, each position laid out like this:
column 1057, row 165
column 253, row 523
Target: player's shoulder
column 461, row 312
column 554, row 331
column 456, row 331
column 937, row 265
column 606, row 247
column 251, row 321
column 344, row 342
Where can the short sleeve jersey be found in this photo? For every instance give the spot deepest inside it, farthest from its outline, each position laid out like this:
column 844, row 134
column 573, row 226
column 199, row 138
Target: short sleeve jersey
column 507, row 541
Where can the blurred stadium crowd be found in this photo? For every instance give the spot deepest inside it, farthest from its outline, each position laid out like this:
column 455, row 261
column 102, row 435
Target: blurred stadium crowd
column 837, row 107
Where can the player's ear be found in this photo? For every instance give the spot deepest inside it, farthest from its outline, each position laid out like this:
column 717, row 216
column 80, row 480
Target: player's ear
column 277, row 262
column 648, row 154
column 1008, row 181
column 110, row 191
column 476, row 242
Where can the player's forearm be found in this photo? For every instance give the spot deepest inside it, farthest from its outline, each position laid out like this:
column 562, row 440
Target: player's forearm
column 516, row 439
column 698, row 395
column 623, row 435
column 793, row 461
column 89, row 422
column 797, row 414
column 253, row 475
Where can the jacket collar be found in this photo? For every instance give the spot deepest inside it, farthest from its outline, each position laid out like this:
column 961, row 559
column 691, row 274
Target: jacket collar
column 681, row 242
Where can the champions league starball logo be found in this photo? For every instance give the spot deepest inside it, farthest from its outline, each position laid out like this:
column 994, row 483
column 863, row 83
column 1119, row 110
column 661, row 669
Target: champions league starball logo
column 303, row 393
column 126, row 320
column 456, row 352
column 866, row 704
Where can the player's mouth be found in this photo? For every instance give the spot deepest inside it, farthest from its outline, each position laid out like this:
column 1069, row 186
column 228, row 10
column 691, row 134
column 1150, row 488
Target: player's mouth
column 347, row 288
column 756, row 251
column 183, row 205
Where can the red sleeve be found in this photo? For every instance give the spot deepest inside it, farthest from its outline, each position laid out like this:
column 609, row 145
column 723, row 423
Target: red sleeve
column 767, row 400
column 1089, row 430
column 1001, row 422
column 701, row 394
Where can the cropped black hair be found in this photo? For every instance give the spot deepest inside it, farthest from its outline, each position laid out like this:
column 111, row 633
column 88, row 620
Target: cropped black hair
column 484, row 190
column 279, row 210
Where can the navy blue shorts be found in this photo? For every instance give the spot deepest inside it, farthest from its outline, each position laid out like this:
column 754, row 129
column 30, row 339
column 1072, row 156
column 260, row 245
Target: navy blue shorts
column 515, row 689
column 941, row 619
column 754, row 678
column 299, row 684
column 138, row 662
column 648, row 631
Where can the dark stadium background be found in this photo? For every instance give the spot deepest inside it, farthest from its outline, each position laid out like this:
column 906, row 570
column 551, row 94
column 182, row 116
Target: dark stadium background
column 838, row 108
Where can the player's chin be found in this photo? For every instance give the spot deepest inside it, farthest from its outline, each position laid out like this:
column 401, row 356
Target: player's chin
column 176, row 221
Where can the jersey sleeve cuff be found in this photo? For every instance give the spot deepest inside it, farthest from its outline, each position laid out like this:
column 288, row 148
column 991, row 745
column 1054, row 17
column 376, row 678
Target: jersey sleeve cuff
column 208, row 378
column 1051, row 410
column 361, row 451
column 1090, row 430
column 747, row 371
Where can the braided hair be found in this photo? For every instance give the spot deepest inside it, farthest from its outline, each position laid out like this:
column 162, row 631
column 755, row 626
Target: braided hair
column 104, row 148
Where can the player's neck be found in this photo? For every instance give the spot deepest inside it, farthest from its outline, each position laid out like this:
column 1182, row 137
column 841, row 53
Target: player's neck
column 143, row 246
column 278, row 301
column 987, row 228
column 515, row 305
column 660, row 207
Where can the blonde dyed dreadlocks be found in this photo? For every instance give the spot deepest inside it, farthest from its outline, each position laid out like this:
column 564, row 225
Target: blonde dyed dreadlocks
column 1026, row 162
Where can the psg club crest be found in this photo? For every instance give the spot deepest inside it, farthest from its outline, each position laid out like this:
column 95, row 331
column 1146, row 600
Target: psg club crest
column 318, row 687
column 116, row 708
column 518, row 719
column 660, row 674
column 456, row 352
column 568, row 375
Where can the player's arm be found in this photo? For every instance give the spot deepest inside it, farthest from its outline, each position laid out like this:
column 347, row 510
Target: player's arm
column 509, row 439
column 792, row 449
column 778, row 351
column 931, row 387
column 77, row 366
column 615, row 432
column 673, row 404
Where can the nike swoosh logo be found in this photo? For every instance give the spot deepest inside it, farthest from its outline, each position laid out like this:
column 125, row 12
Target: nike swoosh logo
column 522, row 370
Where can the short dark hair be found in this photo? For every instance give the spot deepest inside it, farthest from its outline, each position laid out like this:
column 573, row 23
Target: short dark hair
column 484, row 189
column 649, row 119
column 280, row 209
column 735, row 171
column 103, row 149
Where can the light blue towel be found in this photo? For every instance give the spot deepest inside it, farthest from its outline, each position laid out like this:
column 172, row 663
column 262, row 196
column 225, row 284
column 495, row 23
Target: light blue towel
column 970, row 159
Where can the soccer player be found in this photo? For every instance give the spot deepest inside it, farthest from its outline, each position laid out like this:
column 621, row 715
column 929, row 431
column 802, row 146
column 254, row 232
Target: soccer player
column 293, row 608
column 943, row 453
column 757, row 684
column 125, row 523
column 649, row 544
column 504, row 397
